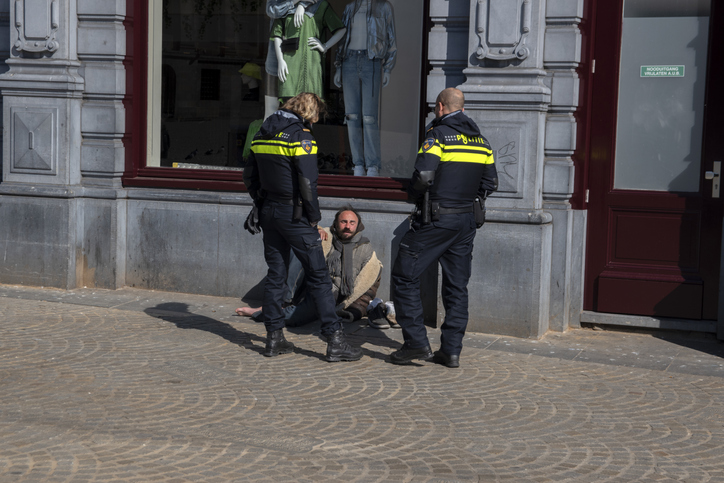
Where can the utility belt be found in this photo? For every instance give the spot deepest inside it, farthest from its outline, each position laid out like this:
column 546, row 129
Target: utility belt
column 427, row 212
column 436, row 210
column 298, row 208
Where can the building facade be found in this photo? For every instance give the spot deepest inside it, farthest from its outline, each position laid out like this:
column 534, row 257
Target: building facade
column 125, row 121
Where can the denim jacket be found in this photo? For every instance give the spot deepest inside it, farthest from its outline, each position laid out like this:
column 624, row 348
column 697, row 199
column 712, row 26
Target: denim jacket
column 380, row 33
column 282, row 8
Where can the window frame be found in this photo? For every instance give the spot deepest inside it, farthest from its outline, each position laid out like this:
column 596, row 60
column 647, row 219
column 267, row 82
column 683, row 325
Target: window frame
column 137, row 174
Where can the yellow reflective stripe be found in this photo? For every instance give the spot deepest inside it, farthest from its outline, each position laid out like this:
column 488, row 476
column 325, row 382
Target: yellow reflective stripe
column 302, row 152
column 281, row 148
column 467, row 147
column 436, row 150
column 280, row 143
column 463, row 157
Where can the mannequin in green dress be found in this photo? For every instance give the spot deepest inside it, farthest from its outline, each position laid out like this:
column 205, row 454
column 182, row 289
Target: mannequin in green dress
column 299, row 51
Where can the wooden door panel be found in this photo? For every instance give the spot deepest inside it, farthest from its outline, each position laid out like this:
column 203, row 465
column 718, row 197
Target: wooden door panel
column 647, row 297
column 655, row 239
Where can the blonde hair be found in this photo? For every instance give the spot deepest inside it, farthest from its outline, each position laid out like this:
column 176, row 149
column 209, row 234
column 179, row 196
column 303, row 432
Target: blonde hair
column 307, row 105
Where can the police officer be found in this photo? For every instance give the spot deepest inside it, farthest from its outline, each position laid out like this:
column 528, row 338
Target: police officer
column 454, row 170
column 281, row 176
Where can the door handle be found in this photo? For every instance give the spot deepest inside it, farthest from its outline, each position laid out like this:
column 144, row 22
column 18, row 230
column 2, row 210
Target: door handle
column 715, row 177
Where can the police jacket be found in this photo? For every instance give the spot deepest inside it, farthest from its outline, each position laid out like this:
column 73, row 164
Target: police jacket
column 455, row 163
column 282, row 165
column 381, row 43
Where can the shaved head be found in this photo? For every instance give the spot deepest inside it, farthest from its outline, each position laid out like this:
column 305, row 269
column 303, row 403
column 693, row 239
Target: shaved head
column 452, row 99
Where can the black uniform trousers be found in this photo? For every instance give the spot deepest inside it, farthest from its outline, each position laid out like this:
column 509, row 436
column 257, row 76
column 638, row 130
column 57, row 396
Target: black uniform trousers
column 449, row 241
column 281, row 234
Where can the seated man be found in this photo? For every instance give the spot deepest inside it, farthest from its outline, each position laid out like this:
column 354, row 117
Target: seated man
column 353, row 267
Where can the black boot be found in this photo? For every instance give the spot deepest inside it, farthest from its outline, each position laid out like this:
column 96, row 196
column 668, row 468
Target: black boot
column 276, row 344
column 339, row 350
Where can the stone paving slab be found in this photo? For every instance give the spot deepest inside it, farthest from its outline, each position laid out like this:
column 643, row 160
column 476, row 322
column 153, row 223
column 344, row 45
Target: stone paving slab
column 142, row 386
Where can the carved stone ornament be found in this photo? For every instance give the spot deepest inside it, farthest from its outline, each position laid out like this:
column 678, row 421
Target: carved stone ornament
column 37, row 24
column 502, row 27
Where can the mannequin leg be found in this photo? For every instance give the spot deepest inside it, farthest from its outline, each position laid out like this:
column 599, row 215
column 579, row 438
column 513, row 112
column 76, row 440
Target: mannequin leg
column 371, row 81
column 271, row 99
column 353, row 111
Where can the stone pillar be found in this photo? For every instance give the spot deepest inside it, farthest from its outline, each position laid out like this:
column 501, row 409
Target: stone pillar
column 42, row 95
column 507, row 95
column 102, row 49
column 561, row 57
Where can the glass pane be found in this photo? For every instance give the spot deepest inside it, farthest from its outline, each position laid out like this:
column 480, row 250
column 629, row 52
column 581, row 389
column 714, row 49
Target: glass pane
column 210, row 89
column 661, row 95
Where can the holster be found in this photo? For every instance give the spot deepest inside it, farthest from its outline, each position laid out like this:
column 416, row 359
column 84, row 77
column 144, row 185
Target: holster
column 435, row 211
column 422, row 214
column 479, row 211
column 425, row 215
column 298, row 210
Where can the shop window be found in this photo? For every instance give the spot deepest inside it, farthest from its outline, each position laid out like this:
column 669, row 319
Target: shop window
column 208, row 88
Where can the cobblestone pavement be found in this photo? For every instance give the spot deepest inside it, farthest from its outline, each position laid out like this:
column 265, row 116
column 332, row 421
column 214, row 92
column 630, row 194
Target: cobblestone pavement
column 139, row 386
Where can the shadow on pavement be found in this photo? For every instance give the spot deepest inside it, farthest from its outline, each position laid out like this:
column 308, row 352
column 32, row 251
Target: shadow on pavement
column 700, row 342
column 178, row 314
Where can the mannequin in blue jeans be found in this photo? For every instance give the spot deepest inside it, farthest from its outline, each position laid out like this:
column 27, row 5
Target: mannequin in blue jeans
column 365, row 58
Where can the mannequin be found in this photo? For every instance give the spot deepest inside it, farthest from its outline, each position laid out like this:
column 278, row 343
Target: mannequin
column 365, row 61
column 250, row 77
column 279, row 9
column 299, row 51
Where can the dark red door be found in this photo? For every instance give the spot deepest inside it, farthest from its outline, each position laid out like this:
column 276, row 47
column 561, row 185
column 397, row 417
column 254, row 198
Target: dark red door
column 655, row 219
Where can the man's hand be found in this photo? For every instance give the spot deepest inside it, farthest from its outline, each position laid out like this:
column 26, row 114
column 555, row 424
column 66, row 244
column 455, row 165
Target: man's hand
column 299, row 16
column 385, row 79
column 317, row 44
column 322, row 234
column 338, row 77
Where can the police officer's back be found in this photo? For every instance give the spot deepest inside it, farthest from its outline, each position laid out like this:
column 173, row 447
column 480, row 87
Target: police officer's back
column 454, row 173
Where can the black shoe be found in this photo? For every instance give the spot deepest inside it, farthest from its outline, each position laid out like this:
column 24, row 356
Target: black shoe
column 405, row 355
column 276, row 344
column 450, row 361
column 338, row 349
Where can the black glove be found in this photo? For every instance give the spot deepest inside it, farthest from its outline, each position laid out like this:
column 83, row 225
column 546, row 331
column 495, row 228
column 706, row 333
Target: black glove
column 252, row 221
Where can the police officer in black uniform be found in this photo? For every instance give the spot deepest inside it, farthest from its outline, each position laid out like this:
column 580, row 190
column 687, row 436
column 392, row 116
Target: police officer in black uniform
column 281, row 176
column 454, row 172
